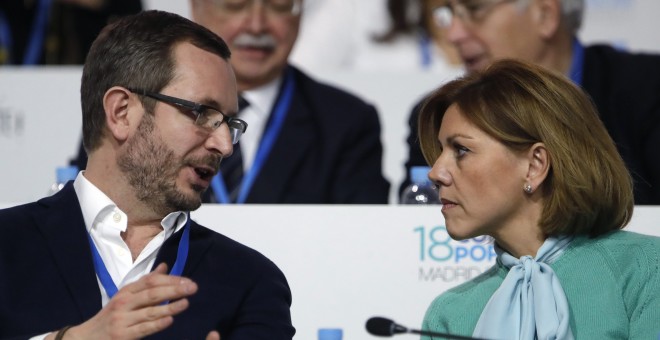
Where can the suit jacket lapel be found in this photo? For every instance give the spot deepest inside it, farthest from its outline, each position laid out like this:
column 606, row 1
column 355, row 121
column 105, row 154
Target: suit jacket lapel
column 63, row 227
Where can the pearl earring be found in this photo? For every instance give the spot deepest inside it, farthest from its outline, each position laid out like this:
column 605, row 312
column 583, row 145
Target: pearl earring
column 527, row 188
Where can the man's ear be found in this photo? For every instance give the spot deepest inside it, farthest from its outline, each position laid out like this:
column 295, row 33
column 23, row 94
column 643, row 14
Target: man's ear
column 547, row 17
column 116, row 105
column 539, row 165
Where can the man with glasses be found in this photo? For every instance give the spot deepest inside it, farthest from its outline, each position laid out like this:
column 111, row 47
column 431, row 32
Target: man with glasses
column 308, row 142
column 624, row 86
column 115, row 253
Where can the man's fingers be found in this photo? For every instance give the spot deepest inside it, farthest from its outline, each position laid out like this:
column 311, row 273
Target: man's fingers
column 154, row 292
column 161, row 268
column 137, row 310
column 160, row 293
column 155, row 313
column 154, row 319
column 155, row 279
column 146, row 328
column 151, row 290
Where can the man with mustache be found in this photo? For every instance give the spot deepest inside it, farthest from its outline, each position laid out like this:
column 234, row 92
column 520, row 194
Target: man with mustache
column 624, row 86
column 308, row 142
column 115, row 253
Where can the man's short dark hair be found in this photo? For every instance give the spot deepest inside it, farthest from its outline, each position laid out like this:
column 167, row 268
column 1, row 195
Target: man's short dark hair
column 136, row 52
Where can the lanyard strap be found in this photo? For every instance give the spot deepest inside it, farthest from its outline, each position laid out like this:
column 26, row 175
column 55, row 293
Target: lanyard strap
column 577, row 63
column 5, row 40
column 271, row 133
column 35, row 45
column 105, row 278
column 425, row 49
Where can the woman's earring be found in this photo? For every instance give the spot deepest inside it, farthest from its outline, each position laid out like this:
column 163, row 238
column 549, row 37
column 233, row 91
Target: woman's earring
column 527, row 188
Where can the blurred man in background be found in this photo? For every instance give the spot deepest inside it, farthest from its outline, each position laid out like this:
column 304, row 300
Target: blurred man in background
column 624, row 86
column 308, row 142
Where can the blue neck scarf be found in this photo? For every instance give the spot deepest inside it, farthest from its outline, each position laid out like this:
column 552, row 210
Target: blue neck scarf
column 530, row 303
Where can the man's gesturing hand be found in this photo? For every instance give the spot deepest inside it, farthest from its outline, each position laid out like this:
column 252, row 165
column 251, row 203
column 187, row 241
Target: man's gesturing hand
column 137, row 310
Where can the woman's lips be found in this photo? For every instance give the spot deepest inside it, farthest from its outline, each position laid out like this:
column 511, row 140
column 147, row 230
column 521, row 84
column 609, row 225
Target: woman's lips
column 447, row 204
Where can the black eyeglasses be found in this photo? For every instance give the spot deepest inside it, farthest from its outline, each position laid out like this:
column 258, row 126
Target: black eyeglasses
column 205, row 116
column 469, row 11
column 273, row 7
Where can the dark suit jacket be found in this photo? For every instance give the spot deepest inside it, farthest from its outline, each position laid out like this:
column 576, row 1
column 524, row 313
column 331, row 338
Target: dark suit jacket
column 47, row 278
column 626, row 90
column 328, row 151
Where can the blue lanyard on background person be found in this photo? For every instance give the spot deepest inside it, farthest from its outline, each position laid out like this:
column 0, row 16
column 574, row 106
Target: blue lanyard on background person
column 34, row 46
column 425, row 50
column 577, row 63
column 177, row 269
column 36, row 43
column 5, row 39
column 268, row 139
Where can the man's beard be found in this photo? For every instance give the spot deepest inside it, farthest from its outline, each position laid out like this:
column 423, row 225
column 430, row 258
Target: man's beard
column 152, row 170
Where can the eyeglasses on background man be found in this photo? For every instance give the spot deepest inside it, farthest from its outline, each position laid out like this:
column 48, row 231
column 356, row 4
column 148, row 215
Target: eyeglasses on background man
column 470, row 12
column 273, row 7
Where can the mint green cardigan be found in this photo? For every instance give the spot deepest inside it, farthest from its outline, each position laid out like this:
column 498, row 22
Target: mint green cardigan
column 612, row 284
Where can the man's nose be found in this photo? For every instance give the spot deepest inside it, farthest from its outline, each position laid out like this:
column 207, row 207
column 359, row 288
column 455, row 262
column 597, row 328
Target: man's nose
column 256, row 16
column 219, row 141
column 457, row 30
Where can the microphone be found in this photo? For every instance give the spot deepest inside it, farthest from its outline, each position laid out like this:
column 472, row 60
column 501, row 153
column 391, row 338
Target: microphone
column 379, row 326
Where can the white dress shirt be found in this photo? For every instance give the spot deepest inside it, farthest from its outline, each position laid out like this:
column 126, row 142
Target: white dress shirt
column 105, row 223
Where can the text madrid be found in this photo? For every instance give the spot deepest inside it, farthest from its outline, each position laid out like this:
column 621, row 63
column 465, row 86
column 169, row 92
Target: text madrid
column 449, row 273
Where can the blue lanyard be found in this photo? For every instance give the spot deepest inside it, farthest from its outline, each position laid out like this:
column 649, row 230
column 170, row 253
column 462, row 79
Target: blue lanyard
column 577, row 63
column 5, row 39
column 33, row 50
column 265, row 146
column 36, row 43
column 425, row 50
column 177, row 269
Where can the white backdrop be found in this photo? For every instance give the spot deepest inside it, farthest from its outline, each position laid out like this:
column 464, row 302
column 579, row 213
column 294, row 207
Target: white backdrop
column 40, row 128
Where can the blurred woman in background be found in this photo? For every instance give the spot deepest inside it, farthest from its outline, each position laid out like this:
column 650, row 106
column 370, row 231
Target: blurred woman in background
column 415, row 38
